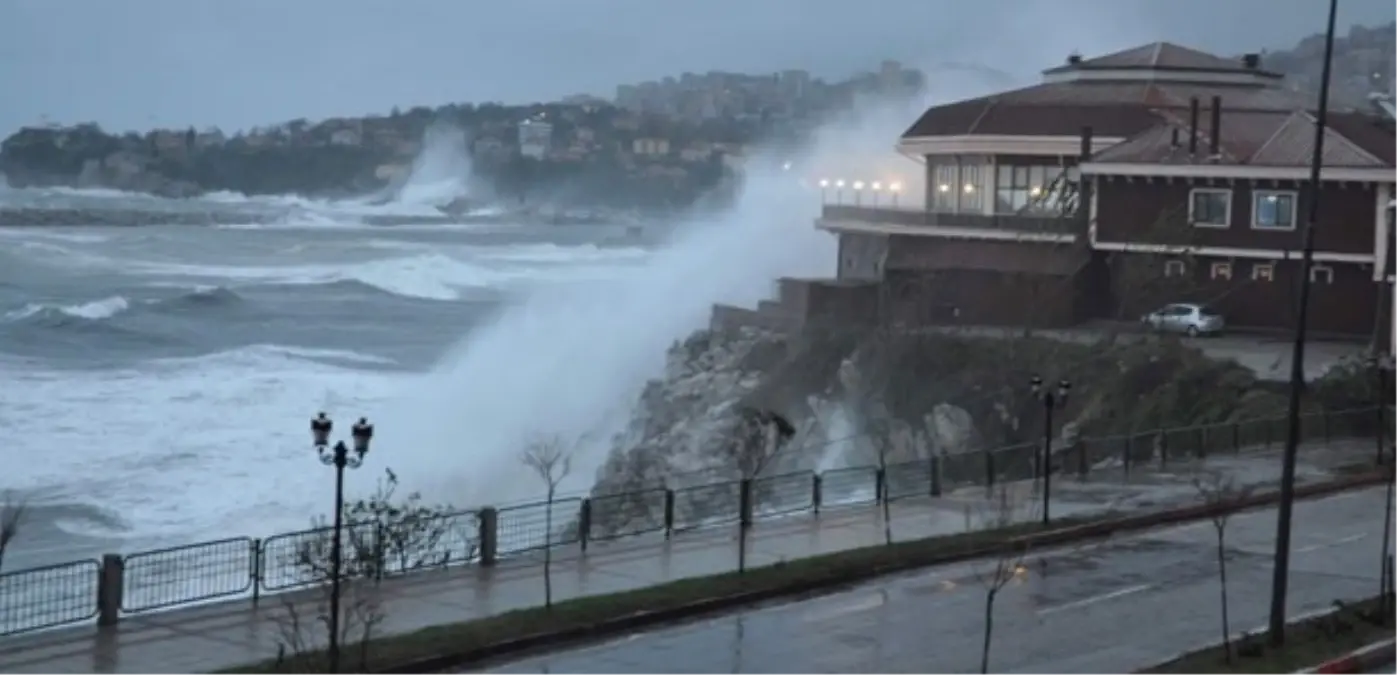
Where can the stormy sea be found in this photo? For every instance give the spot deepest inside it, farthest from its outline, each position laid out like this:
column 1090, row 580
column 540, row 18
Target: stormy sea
column 156, row 382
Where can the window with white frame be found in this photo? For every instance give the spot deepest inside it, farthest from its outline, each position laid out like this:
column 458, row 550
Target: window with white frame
column 970, row 188
column 1273, row 210
column 1210, row 207
column 1221, row 271
column 943, row 188
column 1174, row 268
column 1321, row 274
column 1263, row 272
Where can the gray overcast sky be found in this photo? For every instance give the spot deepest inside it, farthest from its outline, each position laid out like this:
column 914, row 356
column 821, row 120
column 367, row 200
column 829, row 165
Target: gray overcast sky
column 132, row 64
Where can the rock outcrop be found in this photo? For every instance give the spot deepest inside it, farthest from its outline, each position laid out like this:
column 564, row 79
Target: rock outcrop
column 910, row 397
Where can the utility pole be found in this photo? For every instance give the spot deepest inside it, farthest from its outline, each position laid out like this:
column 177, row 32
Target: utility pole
column 1281, row 570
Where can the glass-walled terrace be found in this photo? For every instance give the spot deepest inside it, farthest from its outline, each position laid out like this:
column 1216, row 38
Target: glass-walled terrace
column 1001, row 186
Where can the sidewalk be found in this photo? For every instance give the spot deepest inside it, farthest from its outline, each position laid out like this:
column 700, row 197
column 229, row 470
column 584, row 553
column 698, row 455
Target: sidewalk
column 211, row 637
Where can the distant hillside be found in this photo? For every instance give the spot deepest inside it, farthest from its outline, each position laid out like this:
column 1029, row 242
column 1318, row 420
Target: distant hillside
column 1363, row 63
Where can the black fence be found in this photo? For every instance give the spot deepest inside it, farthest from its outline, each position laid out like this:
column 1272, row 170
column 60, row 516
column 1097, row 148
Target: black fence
column 79, row 591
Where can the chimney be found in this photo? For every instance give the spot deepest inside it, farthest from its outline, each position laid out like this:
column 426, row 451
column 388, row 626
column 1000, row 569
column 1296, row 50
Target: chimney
column 1074, row 58
column 1251, row 61
column 1086, row 144
column 1215, row 128
column 1193, row 125
column 1174, row 137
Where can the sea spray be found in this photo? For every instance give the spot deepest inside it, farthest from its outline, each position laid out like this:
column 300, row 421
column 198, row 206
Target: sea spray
column 441, row 172
column 572, row 360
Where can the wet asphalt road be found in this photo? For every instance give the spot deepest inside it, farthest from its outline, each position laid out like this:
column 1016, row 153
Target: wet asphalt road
column 1115, row 606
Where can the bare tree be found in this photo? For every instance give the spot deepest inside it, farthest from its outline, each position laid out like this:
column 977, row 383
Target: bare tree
column 12, row 510
column 551, row 461
column 998, row 512
column 759, row 436
column 873, row 386
column 303, row 624
column 384, row 534
column 1218, row 489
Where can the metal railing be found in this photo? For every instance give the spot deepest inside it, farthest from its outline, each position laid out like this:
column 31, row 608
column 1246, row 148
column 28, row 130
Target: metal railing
column 1045, row 224
column 81, row 590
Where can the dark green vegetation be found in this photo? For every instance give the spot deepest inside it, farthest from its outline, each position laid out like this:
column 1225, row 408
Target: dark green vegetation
column 1309, row 642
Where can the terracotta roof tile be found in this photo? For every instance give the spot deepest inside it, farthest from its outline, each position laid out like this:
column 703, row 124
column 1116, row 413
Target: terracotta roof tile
column 1255, row 138
column 1110, row 108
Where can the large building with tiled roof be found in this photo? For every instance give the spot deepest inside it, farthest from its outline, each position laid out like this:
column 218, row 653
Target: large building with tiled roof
column 1151, row 175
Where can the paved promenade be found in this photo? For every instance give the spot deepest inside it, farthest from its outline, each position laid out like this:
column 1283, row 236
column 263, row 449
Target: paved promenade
column 221, row 635
column 1107, row 607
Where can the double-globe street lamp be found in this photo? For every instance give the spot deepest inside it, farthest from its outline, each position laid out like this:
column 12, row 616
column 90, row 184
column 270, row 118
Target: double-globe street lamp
column 340, row 457
column 1051, row 399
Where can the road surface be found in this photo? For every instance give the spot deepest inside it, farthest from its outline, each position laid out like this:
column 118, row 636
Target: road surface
column 1111, row 607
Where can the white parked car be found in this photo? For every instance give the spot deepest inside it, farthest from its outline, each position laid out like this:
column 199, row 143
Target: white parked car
column 1187, row 318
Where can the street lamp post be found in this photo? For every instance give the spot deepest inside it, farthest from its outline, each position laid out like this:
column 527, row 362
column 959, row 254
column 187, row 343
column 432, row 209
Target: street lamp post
column 858, row 193
column 1280, row 570
column 1382, row 368
column 824, row 191
column 1382, row 365
column 894, row 188
column 839, row 191
column 877, row 189
column 1051, row 399
column 340, row 457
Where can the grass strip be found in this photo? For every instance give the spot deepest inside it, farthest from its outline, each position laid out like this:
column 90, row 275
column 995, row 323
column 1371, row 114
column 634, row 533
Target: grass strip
column 1309, row 642
column 597, row 616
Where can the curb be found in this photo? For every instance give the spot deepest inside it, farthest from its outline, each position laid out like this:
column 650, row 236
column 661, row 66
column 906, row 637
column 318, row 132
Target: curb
column 651, row 618
column 1366, row 658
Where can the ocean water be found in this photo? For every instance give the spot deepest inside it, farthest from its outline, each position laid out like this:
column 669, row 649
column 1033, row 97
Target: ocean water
column 156, row 383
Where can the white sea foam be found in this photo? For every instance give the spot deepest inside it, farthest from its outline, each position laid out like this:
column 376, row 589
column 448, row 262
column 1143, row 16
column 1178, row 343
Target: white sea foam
column 97, row 309
column 430, row 275
column 185, row 447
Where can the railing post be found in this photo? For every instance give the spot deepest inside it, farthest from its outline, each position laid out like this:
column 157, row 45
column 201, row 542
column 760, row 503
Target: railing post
column 111, row 580
column 880, row 479
column 584, row 523
column 669, row 512
column 256, row 570
column 489, row 531
column 380, row 552
column 817, row 496
column 935, row 469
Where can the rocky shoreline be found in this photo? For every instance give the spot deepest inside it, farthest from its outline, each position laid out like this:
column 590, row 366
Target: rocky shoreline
column 908, row 397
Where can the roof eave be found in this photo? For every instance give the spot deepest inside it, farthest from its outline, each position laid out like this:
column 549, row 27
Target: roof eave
column 1167, row 69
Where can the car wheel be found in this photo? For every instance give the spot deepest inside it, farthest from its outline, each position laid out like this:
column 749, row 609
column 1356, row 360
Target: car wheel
column 1193, row 331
